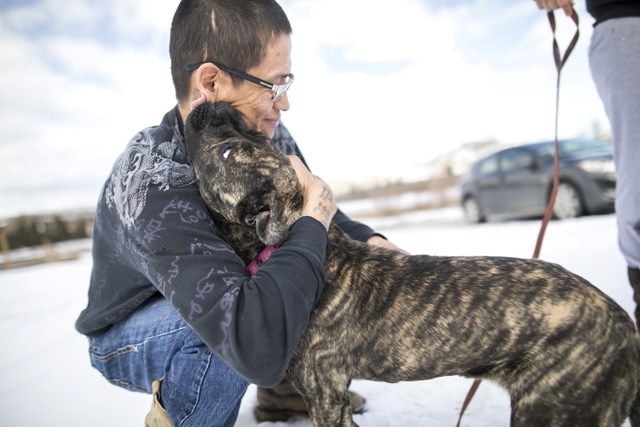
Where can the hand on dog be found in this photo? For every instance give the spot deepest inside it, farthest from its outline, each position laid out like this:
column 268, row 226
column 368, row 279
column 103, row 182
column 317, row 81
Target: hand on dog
column 318, row 197
column 377, row 240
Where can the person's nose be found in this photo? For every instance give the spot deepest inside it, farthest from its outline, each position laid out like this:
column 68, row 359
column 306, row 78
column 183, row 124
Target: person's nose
column 282, row 104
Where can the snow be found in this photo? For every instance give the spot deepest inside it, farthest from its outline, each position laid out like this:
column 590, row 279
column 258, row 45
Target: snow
column 46, row 378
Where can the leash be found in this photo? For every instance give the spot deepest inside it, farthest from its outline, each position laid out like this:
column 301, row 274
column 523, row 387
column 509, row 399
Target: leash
column 556, row 164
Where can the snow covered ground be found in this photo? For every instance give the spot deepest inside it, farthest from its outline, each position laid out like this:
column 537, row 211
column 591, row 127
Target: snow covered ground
column 46, row 380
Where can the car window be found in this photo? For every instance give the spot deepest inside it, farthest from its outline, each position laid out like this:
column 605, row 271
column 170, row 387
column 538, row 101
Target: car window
column 578, row 145
column 516, row 159
column 545, row 150
column 567, row 147
column 488, row 166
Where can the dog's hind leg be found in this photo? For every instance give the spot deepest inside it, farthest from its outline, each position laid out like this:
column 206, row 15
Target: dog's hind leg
column 634, row 413
column 590, row 382
column 634, row 416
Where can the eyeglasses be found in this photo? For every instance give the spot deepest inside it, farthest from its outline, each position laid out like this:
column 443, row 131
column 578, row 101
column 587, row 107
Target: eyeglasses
column 277, row 91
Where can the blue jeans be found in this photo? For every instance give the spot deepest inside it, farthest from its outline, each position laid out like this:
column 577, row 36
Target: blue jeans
column 198, row 389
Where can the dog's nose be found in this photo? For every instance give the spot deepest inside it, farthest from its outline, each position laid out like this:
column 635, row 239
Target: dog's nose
column 198, row 117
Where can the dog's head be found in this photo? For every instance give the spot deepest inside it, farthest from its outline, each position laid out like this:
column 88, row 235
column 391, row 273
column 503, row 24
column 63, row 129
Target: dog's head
column 247, row 183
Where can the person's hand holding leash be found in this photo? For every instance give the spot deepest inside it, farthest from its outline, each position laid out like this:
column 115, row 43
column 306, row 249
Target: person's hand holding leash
column 318, row 197
column 549, row 5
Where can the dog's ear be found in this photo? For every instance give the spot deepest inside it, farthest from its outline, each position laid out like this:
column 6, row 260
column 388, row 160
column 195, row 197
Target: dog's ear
column 270, row 231
column 257, row 225
column 263, row 228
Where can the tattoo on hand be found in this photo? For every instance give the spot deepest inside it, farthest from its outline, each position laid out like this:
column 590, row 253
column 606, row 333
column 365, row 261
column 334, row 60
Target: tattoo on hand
column 327, row 194
column 323, row 207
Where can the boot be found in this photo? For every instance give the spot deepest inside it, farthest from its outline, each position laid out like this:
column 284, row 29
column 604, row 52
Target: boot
column 634, row 280
column 157, row 416
column 283, row 402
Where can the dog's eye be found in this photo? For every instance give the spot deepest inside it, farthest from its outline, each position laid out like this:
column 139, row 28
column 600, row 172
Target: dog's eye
column 226, row 152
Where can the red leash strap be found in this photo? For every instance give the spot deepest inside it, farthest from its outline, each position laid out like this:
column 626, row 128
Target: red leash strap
column 467, row 400
column 556, row 165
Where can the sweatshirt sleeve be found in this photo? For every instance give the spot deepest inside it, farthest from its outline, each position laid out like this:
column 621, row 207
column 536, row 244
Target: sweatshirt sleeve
column 252, row 323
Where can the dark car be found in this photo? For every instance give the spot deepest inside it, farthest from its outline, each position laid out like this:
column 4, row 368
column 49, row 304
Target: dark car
column 517, row 181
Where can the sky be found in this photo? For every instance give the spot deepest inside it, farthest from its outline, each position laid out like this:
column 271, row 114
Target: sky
column 379, row 91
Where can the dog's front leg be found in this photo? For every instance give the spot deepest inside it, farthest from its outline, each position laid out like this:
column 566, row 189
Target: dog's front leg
column 326, row 395
column 331, row 407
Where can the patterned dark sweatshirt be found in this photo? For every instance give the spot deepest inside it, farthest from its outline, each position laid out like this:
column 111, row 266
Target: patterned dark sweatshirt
column 153, row 234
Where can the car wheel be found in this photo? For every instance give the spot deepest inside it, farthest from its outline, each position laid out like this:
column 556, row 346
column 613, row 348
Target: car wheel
column 568, row 202
column 472, row 211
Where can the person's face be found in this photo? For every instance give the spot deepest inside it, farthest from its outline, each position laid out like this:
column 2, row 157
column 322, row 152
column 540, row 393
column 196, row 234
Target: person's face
column 253, row 101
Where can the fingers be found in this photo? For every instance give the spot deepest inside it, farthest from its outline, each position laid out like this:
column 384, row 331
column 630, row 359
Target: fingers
column 549, row 5
column 568, row 8
column 384, row 243
column 541, row 4
column 318, row 197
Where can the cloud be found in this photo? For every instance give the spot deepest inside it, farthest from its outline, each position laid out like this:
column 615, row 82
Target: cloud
column 380, row 88
column 471, row 71
column 337, row 60
column 76, row 81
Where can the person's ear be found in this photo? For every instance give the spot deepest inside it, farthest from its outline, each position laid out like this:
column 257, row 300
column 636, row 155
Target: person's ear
column 207, row 79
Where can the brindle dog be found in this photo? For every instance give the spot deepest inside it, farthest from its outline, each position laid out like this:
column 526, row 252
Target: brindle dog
column 567, row 354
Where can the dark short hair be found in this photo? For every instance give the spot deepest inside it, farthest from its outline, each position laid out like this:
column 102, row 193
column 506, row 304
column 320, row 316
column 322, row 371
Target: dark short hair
column 235, row 33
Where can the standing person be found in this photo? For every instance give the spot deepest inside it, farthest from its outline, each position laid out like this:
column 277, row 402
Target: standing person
column 614, row 59
column 168, row 299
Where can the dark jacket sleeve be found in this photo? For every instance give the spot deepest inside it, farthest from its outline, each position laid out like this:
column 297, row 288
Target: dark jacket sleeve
column 252, row 323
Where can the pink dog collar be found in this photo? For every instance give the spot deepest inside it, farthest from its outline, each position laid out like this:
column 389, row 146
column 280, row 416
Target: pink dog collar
column 261, row 258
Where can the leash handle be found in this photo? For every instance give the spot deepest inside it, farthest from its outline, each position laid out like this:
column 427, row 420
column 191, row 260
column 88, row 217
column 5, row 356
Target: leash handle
column 559, row 61
column 572, row 44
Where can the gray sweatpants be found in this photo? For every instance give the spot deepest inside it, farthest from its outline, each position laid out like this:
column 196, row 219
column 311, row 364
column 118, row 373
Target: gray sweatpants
column 614, row 58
